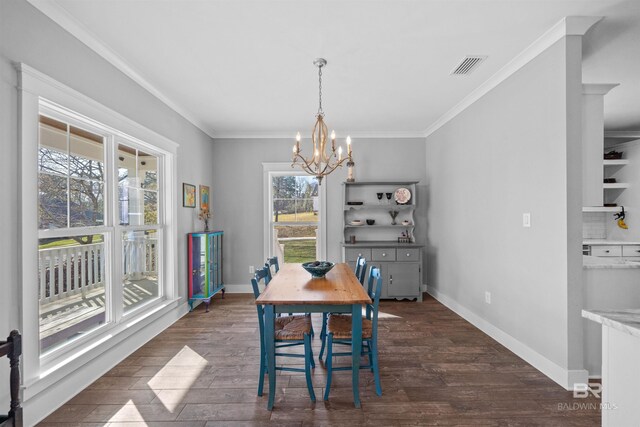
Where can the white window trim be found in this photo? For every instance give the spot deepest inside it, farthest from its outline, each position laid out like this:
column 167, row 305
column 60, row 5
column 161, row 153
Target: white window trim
column 271, row 169
column 34, row 87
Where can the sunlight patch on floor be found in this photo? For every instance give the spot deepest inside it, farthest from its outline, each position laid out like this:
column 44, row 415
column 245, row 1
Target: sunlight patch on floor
column 188, row 366
column 128, row 412
column 382, row 315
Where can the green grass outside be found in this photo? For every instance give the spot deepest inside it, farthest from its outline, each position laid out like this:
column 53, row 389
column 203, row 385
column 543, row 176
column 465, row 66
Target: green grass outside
column 299, row 251
column 68, row 242
column 301, row 217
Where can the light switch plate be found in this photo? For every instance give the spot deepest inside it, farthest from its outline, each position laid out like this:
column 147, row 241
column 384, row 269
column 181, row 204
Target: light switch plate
column 526, row 219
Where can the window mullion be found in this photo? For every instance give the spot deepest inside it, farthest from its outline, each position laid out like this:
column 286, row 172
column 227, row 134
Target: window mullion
column 115, row 291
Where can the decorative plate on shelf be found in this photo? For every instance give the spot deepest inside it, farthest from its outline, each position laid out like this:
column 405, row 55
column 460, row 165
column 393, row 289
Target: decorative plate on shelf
column 402, row 196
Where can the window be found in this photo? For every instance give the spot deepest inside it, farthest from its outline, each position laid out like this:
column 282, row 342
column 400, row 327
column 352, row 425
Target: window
column 294, row 229
column 78, row 237
column 98, row 229
column 138, row 197
column 71, row 252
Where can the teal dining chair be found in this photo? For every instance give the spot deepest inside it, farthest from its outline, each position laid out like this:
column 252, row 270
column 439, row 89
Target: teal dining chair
column 361, row 269
column 339, row 332
column 272, row 262
column 290, row 331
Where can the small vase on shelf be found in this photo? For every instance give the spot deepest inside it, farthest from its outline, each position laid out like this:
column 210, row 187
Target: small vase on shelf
column 393, row 215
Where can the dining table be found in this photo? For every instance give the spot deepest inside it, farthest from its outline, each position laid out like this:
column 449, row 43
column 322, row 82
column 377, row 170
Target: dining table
column 294, row 290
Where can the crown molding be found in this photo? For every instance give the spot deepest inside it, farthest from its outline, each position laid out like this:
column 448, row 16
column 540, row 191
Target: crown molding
column 567, row 26
column 622, row 133
column 597, row 88
column 291, row 135
column 63, row 18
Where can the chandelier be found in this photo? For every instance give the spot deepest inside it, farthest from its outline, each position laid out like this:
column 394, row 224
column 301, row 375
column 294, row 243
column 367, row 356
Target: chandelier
column 322, row 163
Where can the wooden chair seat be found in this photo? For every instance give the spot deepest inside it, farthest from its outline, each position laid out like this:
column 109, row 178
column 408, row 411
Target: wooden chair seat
column 290, row 328
column 340, row 326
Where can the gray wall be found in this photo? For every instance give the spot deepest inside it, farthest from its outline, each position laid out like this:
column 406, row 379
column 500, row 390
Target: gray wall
column 514, row 151
column 28, row 36
column 237, row 191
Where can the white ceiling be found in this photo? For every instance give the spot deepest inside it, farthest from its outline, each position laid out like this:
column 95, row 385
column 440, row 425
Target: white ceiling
column 242, row 68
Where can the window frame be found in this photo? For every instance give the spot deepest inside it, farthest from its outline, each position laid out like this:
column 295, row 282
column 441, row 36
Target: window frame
column 274, row 169
column 36, row 89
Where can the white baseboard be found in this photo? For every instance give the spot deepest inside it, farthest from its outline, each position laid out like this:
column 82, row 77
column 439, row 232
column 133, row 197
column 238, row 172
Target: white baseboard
column 564, row 377
column 238, row 289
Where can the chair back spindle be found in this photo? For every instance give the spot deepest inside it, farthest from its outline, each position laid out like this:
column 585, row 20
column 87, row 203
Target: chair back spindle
column 12, row 348
column 361, row 269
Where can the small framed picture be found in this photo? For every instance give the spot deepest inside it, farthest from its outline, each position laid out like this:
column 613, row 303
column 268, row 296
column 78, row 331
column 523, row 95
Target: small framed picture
column 188, row 195
column 204, row 198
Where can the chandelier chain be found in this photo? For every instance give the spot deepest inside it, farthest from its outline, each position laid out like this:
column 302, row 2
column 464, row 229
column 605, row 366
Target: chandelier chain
column 320, row 112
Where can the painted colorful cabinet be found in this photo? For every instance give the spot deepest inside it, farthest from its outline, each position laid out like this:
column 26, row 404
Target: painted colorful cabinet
column 205, row 266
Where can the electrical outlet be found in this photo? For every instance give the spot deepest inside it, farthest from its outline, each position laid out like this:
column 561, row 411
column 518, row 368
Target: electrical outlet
column 526, row 219
column 252, row 269
column 487, row 297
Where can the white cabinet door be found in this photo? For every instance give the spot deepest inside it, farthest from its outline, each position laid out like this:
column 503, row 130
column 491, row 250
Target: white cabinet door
column 606, row 250
column 631, row 251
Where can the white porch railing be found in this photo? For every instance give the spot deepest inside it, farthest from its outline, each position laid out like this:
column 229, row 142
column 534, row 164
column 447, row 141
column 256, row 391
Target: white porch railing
column 70, row 270
column 140, row 257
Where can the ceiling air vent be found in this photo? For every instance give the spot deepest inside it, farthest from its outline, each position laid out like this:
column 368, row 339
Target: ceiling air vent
column 468, row 64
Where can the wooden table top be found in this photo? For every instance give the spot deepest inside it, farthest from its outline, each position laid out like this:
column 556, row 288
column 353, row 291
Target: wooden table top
column 294, row 285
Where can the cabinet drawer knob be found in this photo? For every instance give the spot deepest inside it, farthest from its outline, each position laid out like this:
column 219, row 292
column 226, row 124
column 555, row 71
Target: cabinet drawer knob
column 408, row 254
column 383, row 254
column 607, row 251
column 638, row 250
column 359, row 254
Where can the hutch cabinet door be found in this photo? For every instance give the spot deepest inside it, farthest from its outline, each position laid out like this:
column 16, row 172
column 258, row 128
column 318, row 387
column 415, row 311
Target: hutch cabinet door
column 403, row 279
column 198, row 267
column 215, row 261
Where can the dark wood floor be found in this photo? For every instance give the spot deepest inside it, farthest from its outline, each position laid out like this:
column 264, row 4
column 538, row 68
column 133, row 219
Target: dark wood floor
column 436, row 369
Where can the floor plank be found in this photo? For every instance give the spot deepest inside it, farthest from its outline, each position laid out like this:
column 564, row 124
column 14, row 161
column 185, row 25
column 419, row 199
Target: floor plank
column 435, row 369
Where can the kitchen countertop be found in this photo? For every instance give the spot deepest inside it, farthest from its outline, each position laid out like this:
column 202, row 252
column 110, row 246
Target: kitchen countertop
column 607, row 242
column 607, row 262
column 625, row 320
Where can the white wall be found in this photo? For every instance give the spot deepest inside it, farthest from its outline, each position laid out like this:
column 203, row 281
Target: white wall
column 237, row 191
column 28, row 36
column 515, row 150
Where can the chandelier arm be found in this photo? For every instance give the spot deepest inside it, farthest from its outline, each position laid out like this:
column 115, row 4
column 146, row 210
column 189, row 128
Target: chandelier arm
column 306, row 165
column 332, row 167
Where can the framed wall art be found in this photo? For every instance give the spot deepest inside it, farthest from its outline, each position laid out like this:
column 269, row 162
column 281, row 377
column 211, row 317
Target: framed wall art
column 204, row 198
column 188, row 195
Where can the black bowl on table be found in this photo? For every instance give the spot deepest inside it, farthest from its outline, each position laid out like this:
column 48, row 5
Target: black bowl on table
column 318, row 268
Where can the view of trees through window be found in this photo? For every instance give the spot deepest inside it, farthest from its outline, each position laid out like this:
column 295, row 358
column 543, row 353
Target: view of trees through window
column 73, row 225
column 295, row 217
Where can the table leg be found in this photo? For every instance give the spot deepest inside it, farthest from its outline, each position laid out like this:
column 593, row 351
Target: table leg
column 356, row 347
column 270, row 345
